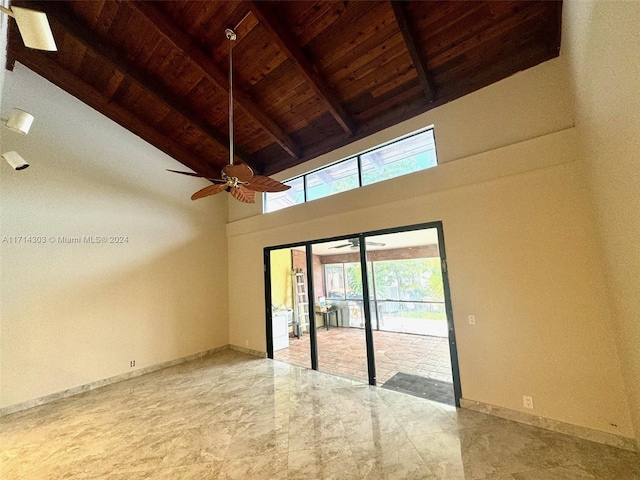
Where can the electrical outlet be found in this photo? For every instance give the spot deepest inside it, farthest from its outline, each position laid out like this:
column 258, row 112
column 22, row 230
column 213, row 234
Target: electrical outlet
column 246, row 343
column 527, row 401
column 132, row 363
column 472, row 319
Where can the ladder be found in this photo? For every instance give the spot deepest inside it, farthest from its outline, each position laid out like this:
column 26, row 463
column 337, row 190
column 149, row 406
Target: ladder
column 301, row 303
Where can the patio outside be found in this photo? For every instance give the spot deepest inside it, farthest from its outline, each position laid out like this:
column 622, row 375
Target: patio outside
column 342, row 351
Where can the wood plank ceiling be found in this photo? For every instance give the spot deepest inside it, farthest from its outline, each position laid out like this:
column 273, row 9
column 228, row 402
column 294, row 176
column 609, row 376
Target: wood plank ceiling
column 309, row 76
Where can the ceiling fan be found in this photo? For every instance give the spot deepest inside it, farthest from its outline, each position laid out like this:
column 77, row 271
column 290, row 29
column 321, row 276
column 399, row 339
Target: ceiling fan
column 354, row 243
column 33, row 26
column 237, row 179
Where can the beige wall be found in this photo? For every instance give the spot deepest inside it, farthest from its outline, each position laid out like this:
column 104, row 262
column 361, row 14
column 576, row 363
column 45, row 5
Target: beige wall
column 602, row 42
column 470, row 125
column 521, row 251
column 76, row 313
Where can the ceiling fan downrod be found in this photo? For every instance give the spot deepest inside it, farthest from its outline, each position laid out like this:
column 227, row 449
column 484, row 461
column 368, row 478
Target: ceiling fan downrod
column 231, row 36
column 239, row 180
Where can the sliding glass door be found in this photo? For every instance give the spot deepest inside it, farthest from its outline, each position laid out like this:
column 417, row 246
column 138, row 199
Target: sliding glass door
column 378, row 310
column 409, row 318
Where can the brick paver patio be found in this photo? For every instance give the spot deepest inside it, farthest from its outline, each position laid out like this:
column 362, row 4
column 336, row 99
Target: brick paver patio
column 342, row 351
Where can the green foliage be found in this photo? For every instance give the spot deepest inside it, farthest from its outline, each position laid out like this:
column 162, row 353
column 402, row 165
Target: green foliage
column 418, row 279
column 344, row 184
column 391, row 170
column 354, row 279
column 415, row 279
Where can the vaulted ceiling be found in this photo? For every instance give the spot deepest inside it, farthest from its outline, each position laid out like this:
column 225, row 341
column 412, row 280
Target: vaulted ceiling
column 309, row 76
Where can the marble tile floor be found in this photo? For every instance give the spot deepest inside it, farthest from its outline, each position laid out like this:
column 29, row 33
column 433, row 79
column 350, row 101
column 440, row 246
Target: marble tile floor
column 233, row 416
column 342, row 351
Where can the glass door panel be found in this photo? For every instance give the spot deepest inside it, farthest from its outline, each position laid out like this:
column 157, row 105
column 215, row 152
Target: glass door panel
column 339, row 315
column 409, row 320
column 289, row 306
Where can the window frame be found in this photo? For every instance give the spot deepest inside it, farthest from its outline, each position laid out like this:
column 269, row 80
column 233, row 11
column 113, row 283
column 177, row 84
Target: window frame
column 358, row 158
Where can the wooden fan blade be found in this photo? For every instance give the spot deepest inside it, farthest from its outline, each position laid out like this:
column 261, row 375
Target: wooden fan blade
column 260, row 183
column 240, row 171
column 207, row 191
column 192, row 174
column 243, row 195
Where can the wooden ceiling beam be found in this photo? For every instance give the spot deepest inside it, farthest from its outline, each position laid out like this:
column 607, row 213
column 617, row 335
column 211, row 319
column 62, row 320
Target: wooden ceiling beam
column 182, row 42
column 288, row 43
column 63, row 20
column 43, row 65
column 417, row 57
column 11, row 61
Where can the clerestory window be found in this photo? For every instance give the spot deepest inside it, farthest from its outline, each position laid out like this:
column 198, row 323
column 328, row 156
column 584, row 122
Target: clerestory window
column 405, row 155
